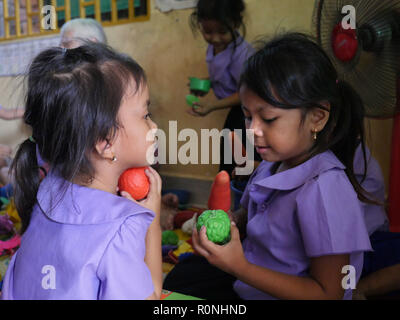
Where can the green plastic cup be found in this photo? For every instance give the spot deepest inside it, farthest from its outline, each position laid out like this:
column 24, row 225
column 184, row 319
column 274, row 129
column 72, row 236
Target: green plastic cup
column 197, row 84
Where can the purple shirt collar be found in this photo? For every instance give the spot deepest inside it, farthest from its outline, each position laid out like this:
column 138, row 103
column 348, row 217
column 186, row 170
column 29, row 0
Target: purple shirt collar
column 299, row 175
column 69, row 203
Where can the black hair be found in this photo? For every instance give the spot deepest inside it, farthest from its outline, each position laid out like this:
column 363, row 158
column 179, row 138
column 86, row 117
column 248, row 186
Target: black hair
column 228, row 12
column 292, row 71
column 72, row 102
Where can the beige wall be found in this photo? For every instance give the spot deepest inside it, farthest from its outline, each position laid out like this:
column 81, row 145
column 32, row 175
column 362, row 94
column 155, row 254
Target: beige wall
column 169, row 53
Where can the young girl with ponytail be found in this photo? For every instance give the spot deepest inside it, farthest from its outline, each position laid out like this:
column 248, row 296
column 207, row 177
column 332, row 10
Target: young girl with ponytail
column 306, row 232
column 88, row 110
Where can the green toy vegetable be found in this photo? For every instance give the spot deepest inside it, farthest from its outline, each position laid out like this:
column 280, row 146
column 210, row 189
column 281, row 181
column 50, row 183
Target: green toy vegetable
column 169, row 238
column 218, row 226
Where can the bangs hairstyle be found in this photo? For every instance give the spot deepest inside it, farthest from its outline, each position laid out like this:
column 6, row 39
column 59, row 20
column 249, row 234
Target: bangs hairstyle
column 292, row 72
column 72, row 103
column 228, row 12
column 283, row 73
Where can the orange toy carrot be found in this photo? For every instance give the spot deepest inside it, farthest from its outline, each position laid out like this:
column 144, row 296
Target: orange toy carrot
column 220, row 196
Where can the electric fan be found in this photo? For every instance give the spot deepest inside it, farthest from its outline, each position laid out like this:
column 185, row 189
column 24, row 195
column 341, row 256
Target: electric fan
column 368, row 57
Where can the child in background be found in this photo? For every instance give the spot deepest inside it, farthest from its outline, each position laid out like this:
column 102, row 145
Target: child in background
column 380, row 275
column 219, row 22
column 88, row 109
column 304, row 217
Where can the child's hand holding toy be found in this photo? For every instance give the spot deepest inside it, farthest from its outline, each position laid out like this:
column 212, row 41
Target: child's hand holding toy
column 201, row 108
column 227, row 252
column 229, row 257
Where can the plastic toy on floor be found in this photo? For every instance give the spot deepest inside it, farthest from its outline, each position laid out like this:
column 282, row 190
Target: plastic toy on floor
column 184, row 221
column 10, row 246
column 174, row 244
column 169, row 208
column 6, row 192
column 9, row 218
column 6, row 225
column 172, row 254
column 182, row 216
column 188, row 225
column 10, row 240
column 173, row 200
column 169, row 238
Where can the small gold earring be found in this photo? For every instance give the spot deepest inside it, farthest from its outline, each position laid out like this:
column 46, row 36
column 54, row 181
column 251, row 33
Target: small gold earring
column 315, row 134
column 113, row 159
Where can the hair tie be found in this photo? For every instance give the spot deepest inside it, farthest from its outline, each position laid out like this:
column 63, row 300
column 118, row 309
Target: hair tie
column 31, row 139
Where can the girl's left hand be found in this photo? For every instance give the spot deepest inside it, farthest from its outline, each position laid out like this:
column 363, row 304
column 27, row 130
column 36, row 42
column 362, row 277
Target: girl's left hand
column 229, row 257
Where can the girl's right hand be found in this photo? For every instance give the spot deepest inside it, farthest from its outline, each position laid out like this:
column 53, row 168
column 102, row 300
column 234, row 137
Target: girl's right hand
column 200, row 109
column 153, row 199
column 228, row 257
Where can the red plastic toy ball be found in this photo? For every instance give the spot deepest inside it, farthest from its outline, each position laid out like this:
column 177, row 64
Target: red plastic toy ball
column 135, row 182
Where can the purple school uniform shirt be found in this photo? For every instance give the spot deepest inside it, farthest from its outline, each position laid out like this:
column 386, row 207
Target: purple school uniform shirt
column 225, row 68
column 375, row 215
column 81, row 243
column 308, row 211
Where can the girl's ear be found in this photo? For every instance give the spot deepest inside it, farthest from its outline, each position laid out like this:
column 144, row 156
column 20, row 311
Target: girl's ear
column 104, row 149
column 319, row 117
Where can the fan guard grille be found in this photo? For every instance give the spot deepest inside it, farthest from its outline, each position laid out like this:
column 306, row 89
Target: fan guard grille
column 374, row 70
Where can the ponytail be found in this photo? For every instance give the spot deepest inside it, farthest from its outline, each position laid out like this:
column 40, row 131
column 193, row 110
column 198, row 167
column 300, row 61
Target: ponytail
column 348, row 134
column 26, row 180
